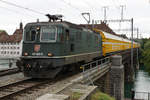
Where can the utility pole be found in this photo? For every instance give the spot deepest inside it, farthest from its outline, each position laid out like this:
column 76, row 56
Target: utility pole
column 122, row 10
column 137, row 48
column 105, row 12
column 137, row 33
column 132, row 44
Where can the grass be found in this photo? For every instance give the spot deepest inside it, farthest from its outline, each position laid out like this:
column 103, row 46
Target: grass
column 75, row 96
column 101, row 96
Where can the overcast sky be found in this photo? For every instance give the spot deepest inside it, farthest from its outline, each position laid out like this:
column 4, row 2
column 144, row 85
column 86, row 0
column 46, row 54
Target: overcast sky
column 11, row 16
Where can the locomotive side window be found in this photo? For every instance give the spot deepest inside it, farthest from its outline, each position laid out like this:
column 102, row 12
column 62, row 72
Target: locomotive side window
column 48, row 34
column 61, row 34
column 67, row 34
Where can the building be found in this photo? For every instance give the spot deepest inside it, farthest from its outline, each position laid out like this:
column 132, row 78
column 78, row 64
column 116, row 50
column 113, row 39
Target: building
column 11, row 45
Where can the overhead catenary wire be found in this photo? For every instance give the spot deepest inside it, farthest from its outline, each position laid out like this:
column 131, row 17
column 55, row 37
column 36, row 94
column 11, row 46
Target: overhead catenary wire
column 69, row 4
column 18, row 6
column 88, row 4
column 79, row 10
column 14, row 11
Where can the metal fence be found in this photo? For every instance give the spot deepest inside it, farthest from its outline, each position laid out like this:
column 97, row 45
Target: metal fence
column 94, row 66
column 142, row 96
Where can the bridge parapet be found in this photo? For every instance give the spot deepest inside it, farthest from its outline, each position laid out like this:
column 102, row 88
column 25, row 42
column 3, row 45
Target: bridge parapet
column 97, row 69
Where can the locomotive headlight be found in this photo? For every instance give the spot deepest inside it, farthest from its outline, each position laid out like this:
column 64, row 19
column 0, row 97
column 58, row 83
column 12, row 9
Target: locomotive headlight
column 38, row 28
column 26, row 54
column 50, row 54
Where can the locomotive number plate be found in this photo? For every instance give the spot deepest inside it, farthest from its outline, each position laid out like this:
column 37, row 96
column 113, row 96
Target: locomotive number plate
column 37, row 54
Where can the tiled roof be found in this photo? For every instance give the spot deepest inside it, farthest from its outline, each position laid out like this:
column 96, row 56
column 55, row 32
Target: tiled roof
column 103, row 26
column 16, row 37
column 4, row 37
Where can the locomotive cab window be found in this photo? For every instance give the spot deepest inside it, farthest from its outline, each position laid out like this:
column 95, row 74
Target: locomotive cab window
column 48, row 34
column 31, row 35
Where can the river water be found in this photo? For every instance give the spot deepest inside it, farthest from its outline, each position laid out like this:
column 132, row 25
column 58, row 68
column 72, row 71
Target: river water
column 141, row 84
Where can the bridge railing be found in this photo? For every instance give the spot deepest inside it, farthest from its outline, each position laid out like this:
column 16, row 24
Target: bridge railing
column 95, row 64
column 93, row 67
column 142, row 95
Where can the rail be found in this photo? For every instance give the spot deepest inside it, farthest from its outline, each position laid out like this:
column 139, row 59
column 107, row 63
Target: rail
column 142, row 95
column 8, row 92
column 95, row 65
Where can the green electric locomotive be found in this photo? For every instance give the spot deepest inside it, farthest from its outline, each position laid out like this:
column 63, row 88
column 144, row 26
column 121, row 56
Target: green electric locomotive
column 50, row 47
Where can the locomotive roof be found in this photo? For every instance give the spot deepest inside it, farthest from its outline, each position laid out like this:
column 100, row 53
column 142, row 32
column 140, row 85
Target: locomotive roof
column 64, row 23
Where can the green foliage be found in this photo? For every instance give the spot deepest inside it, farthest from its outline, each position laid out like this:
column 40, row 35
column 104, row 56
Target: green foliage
column 145, row 57
column 75, row 96
column 101, row 96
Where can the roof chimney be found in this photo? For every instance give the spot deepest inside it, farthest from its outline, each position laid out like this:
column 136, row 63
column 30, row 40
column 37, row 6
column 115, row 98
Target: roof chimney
column 21, row 25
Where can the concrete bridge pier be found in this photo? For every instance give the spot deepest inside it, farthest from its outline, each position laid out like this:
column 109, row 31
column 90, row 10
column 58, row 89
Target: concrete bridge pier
column 112, row 82
column 117, row 78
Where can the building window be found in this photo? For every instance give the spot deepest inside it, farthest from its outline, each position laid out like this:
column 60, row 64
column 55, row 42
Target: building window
column 17, row 47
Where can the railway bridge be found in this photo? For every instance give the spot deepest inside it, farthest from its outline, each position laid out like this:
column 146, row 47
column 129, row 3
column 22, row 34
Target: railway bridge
column 109, row 74
column 113, row 72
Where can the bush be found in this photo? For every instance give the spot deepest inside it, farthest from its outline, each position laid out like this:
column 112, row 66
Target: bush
column 145, row 54
column 101, row 96
column 75, row 96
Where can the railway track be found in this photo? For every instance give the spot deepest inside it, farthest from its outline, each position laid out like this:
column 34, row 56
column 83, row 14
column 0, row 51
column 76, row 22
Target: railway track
column 8, row 71
column 8, row 92
column 13, row 91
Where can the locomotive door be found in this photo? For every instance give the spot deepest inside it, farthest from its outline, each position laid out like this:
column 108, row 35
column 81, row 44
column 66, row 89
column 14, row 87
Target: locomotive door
column 69, row 44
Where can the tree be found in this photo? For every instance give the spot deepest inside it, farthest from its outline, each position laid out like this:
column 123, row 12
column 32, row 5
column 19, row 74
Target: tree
column 146, row 55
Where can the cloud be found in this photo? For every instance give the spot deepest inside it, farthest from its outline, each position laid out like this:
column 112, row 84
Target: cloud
column 72, row 9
